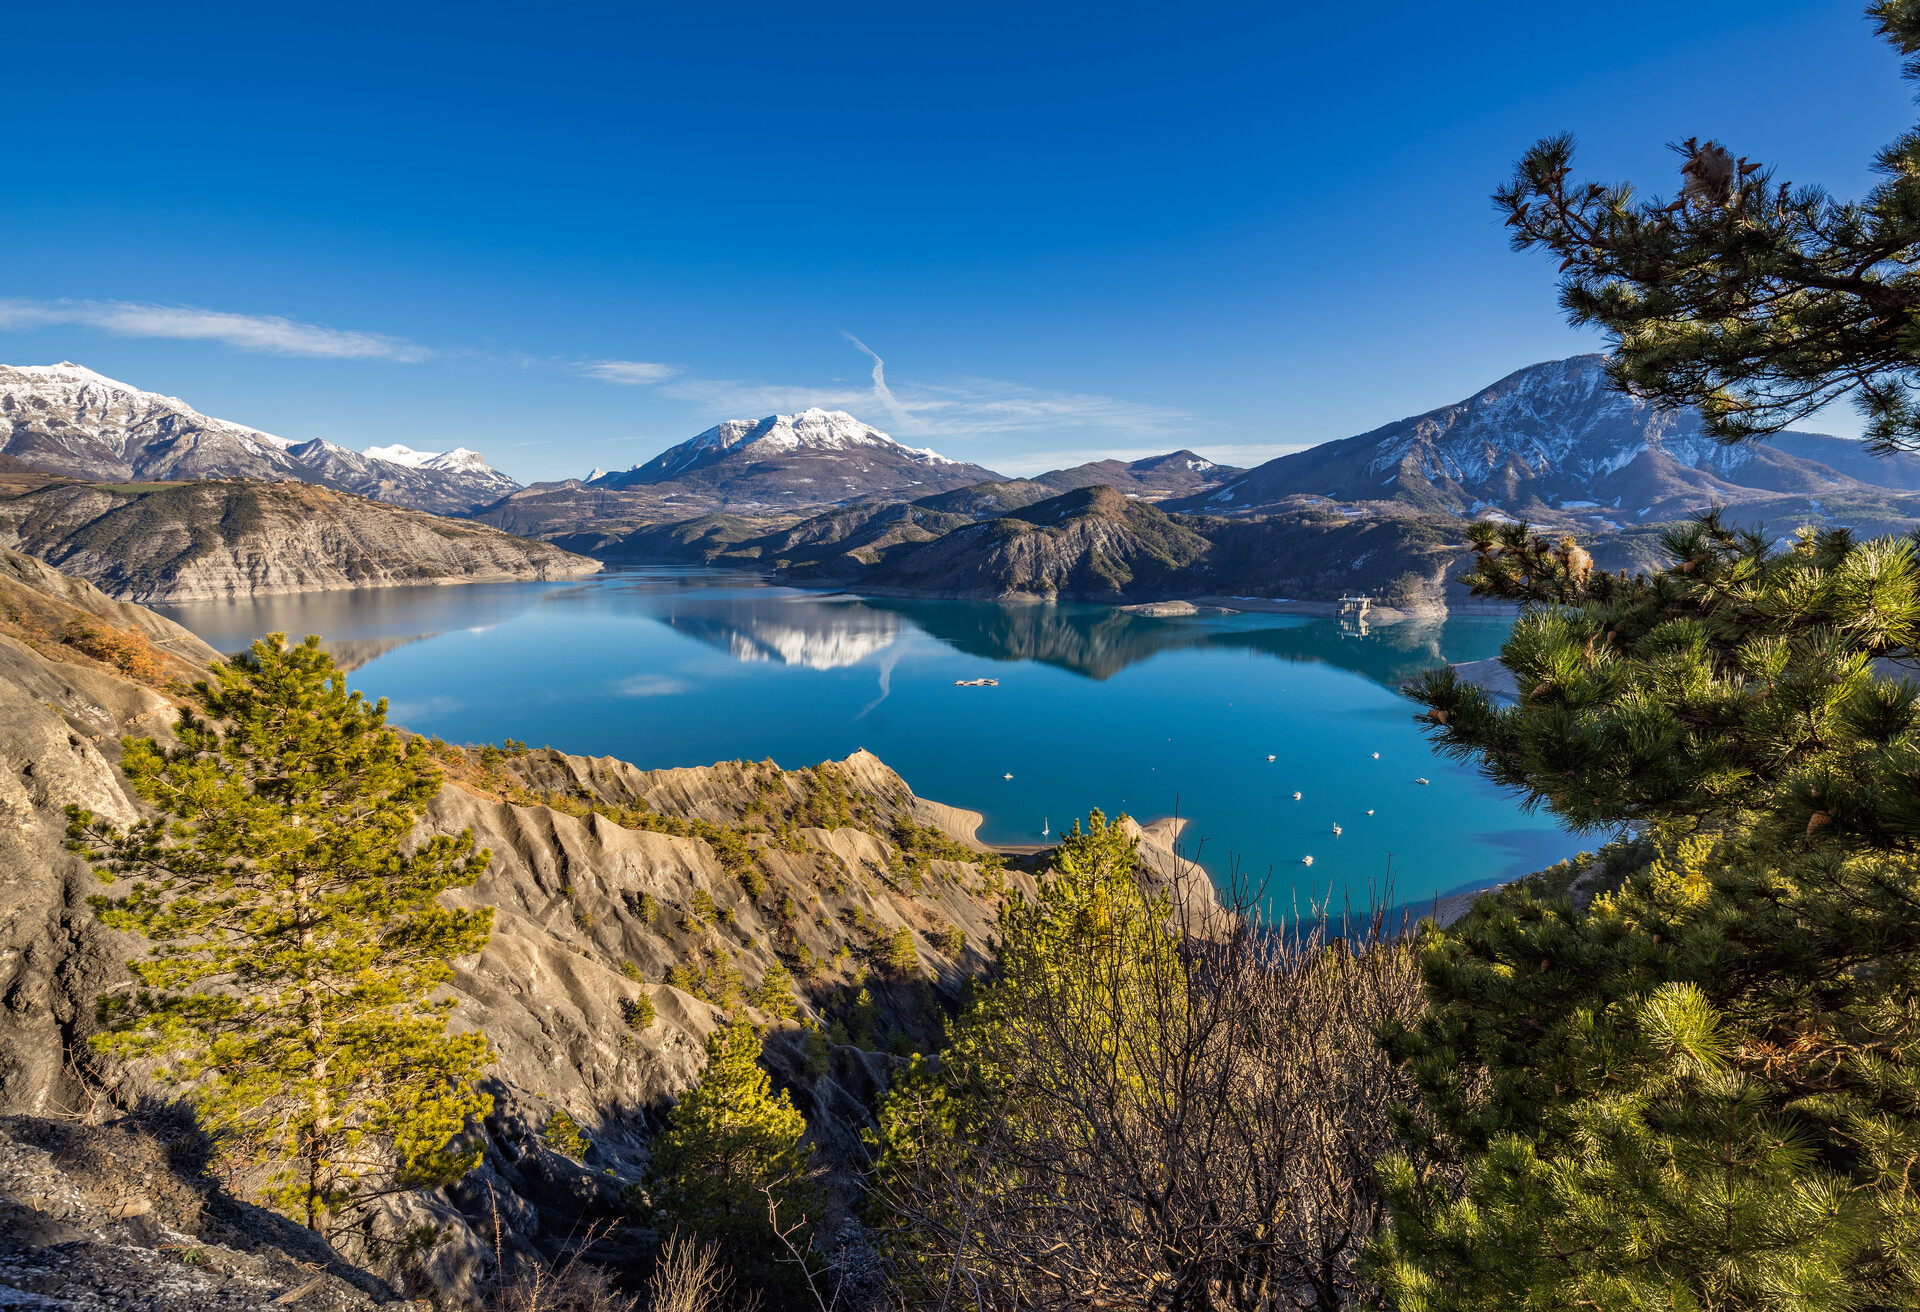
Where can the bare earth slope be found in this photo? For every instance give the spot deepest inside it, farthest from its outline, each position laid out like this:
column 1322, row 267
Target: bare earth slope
column 598, row 870
column 239, row 538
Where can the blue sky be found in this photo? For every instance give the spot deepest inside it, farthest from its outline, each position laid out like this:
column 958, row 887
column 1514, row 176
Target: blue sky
column 571, row 235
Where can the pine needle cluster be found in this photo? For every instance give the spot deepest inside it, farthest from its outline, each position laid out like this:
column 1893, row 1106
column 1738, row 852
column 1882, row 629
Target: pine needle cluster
column 1703, row 1091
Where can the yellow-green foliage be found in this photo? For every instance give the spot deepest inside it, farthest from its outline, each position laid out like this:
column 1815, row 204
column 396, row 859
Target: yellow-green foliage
column 1091, row 946
column 564, row 1135
column 730, row 1144
column 295, row 935
column 774, row 995
column 640, row 1012
column 896, row 952
column 1704, row 1091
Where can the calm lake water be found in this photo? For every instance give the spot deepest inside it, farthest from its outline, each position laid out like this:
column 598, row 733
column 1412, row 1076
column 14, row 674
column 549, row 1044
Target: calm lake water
column 1095, row 707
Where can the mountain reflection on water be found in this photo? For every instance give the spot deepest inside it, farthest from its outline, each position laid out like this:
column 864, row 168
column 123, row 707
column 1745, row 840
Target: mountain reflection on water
column 1099, row 641
column 1222, row 718
column 801, row 632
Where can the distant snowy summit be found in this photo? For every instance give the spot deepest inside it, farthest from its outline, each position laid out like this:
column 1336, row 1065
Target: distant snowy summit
column 812, row 431
column 67, row 419
column 816, row 457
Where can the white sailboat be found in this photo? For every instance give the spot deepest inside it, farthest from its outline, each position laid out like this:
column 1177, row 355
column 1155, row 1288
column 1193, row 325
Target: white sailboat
column 1336, row 831
column 1046, row 827
column 1296, row 797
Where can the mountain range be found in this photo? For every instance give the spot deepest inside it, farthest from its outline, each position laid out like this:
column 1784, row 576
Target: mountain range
column 765, row 474
column 1554, row 444
column 68, row 420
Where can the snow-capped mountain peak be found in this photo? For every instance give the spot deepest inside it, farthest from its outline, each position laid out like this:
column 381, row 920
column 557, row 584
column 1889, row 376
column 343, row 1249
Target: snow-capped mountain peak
column 812, row 429
column 459, row 458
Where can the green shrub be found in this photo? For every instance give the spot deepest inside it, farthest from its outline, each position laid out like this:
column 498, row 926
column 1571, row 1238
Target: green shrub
column 564, row 1135
column 775, row 993
column 640, row 1012
column 896, row 952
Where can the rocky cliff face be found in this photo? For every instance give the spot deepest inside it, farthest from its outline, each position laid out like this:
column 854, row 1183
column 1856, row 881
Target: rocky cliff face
column 69, row 420
column 238, row 538
column 598, row 873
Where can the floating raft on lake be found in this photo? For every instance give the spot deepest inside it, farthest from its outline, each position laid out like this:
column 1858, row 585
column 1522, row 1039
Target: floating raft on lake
column 976, row 683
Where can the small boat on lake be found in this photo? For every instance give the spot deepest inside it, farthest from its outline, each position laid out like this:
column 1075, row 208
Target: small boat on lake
column 1296, row 797
column 1422, row 781
column 976, row 683
column 1008, row 776
column 1269, row 756
column 1336, row 831
column 1376, row 756
column 1369, row 813
column 1306, row 860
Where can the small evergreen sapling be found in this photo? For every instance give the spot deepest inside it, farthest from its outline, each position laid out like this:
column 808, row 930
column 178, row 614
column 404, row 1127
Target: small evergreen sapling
column 295, row 936
column 732, row 1149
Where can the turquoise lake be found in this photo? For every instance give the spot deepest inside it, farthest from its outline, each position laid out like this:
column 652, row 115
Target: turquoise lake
column 1095, row 708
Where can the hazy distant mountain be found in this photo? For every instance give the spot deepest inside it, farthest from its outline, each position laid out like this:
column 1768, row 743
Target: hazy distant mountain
column 66, row 419
column 1554, row 438
column 1176, row 474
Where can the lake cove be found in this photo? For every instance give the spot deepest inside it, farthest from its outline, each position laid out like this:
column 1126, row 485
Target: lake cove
column 1093, row 707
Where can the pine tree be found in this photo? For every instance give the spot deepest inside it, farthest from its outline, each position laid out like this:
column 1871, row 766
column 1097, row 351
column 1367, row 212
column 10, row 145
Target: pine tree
column 295, row 939
column 1703, row 1091
column 774, row 994
column 733, row 1148
column 1754, row 300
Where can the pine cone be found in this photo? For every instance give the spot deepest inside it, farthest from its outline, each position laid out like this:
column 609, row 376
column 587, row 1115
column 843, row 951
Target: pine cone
column 1819, row 820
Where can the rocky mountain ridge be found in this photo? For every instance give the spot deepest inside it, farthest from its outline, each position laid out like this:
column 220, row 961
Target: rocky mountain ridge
column 66, row 419
column 242, row 538
column 1554, row 443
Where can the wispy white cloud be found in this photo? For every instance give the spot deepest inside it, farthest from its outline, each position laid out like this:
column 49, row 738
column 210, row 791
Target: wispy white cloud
column 979, row 407
column 970, row 408
column 270, row 334
column 732, row 398
column 631, row 373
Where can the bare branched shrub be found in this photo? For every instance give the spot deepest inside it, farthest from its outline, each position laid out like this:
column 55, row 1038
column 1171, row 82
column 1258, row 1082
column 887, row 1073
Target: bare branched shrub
column 1159, row 1103
column 530, row 1284
column 687, row 1277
